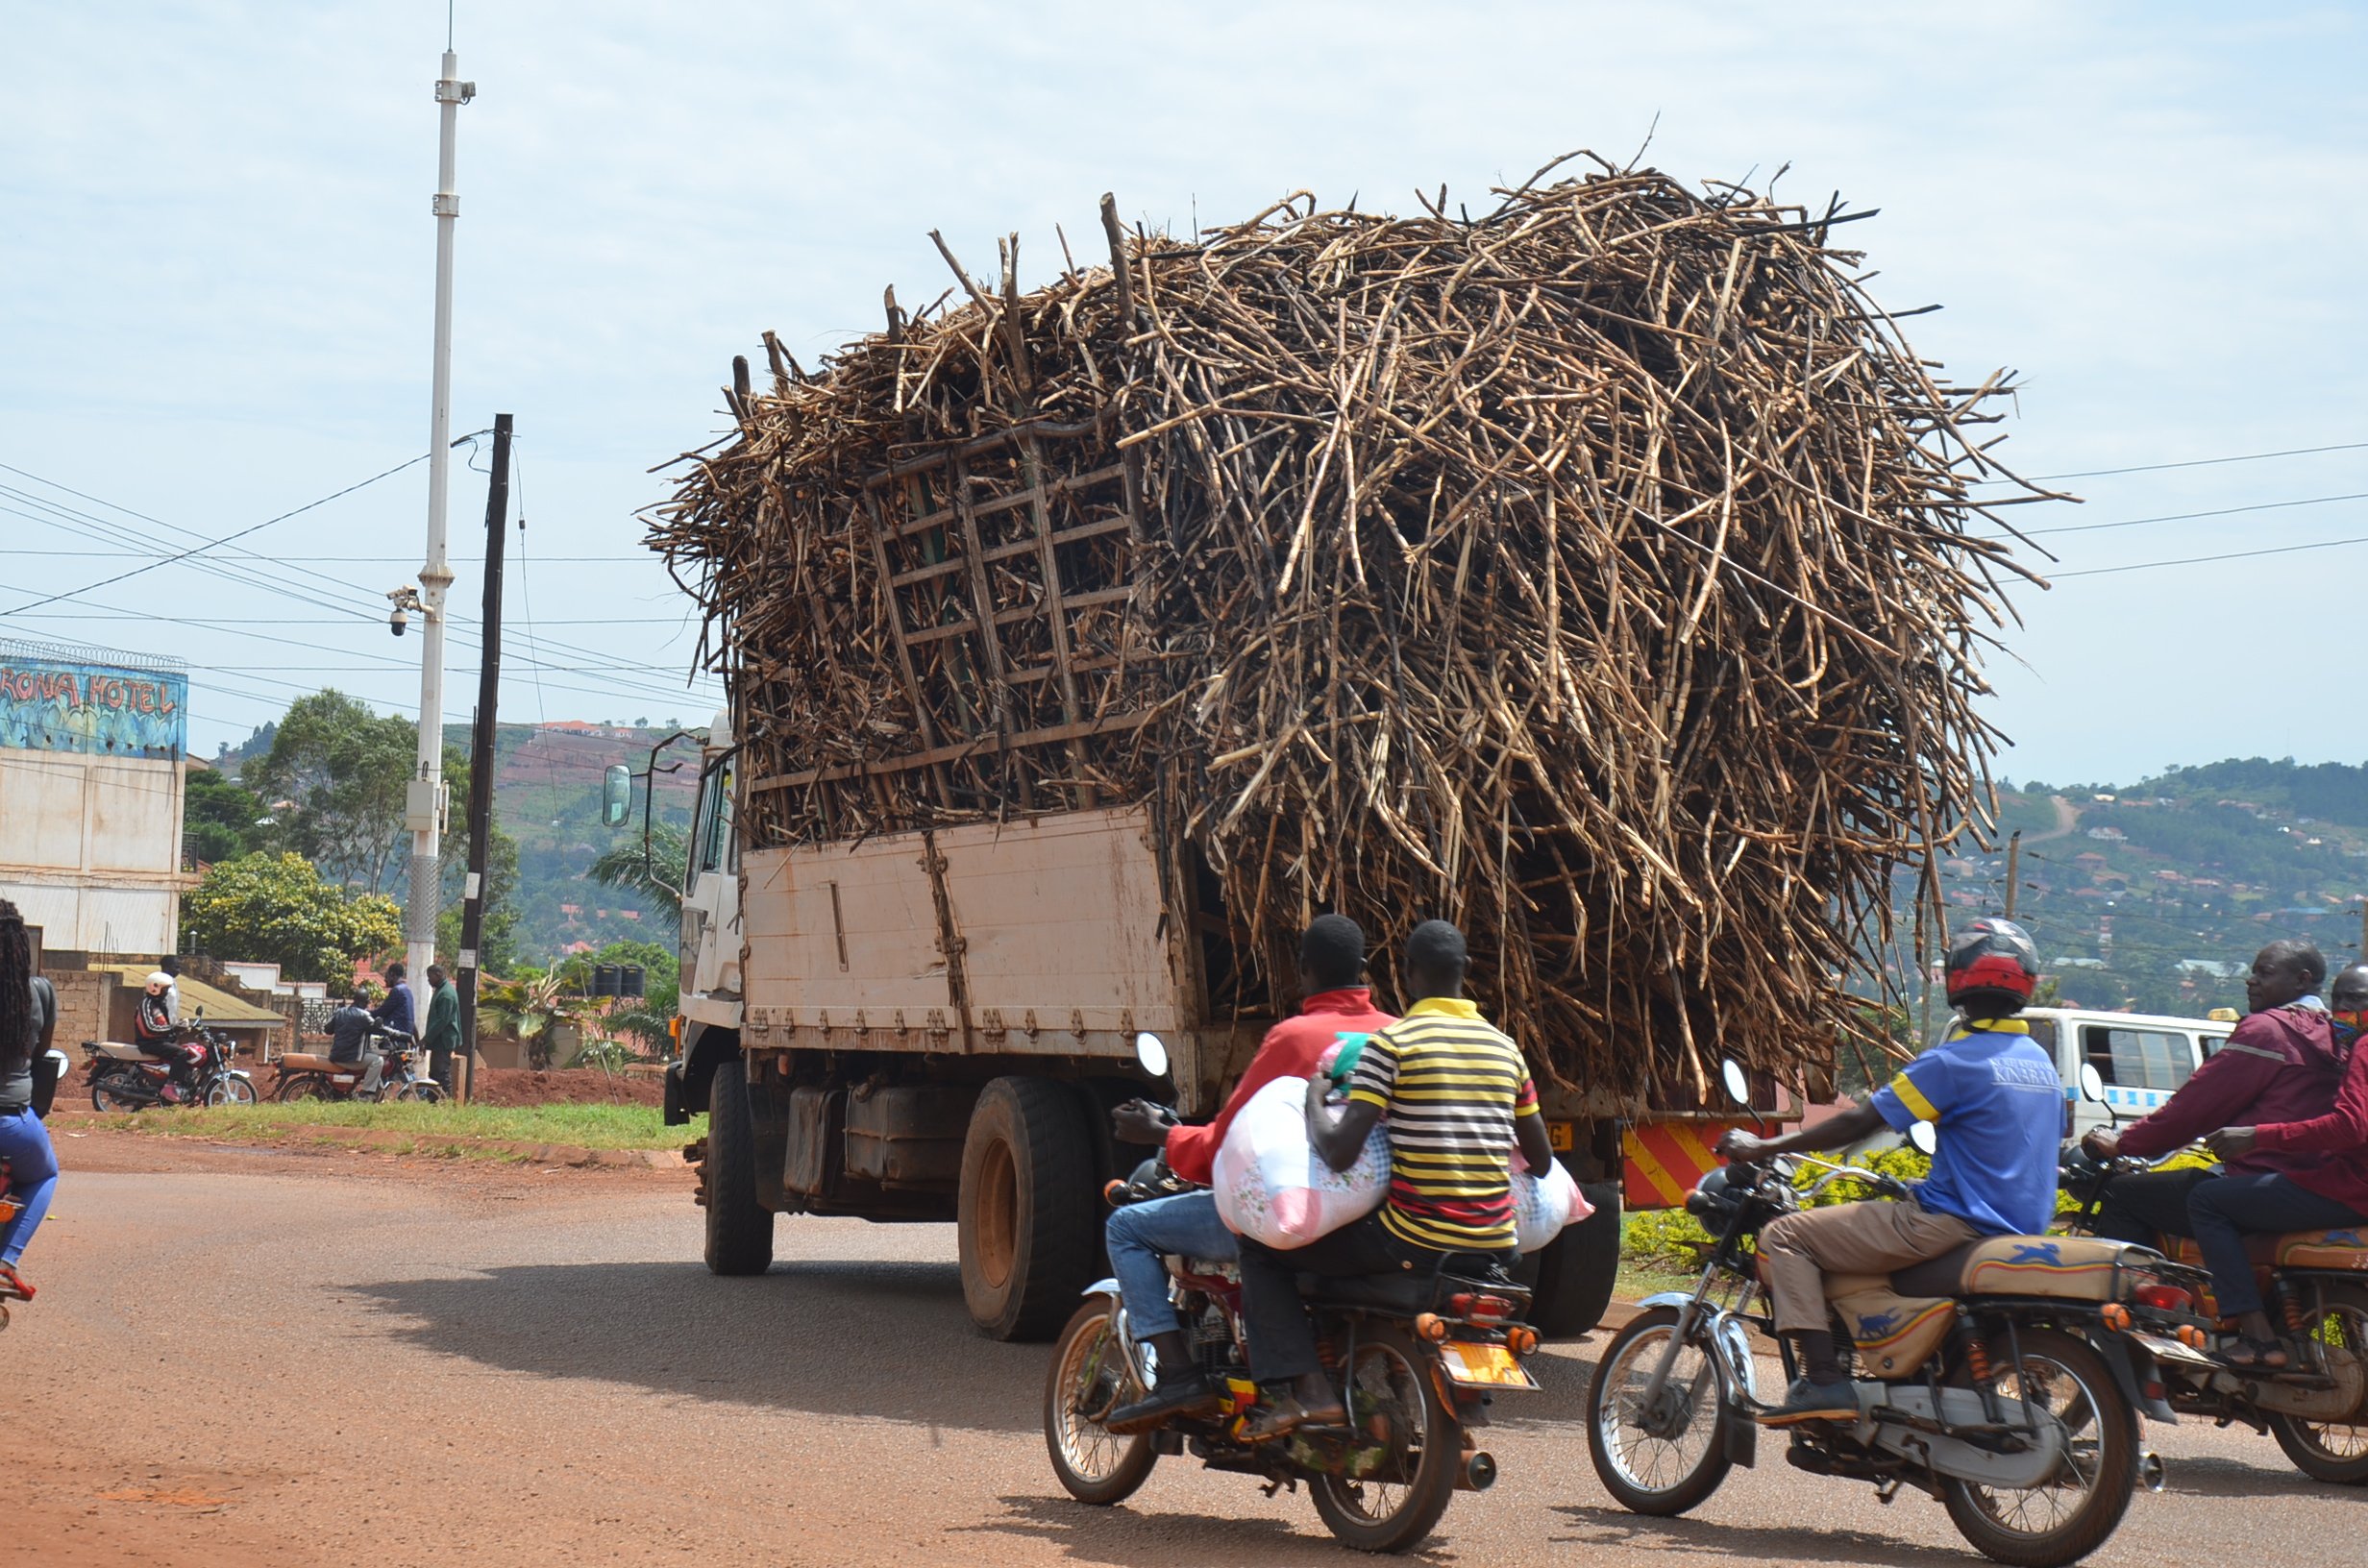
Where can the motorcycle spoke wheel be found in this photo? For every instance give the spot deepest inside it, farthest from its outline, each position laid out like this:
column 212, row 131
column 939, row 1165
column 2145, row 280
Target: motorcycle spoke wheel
column 2335, row 1451
column 426, row 1093
column 1400, row 1473
column 1089, row 1378
column 2071, row 1514
column 1660, row 1455
column 231, row 1092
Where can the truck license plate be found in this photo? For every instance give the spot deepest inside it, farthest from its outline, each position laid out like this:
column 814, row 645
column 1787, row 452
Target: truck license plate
column 1483, row 1366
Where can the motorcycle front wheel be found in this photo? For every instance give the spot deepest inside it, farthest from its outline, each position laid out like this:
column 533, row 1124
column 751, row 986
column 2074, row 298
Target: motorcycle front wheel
column 423, row 1092
column 229, row 1091
column 2044, row 1527
column 1660, row 1455
column 1413, row 1448
column 2335, row 1451
column 1089, row 1378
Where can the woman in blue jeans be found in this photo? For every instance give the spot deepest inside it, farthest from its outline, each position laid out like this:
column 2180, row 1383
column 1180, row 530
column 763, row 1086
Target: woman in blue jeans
column 2328, row 1195
column 27, row 1016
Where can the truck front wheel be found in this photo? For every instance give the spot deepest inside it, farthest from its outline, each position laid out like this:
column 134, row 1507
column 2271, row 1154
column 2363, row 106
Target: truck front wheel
column 739, row 1227
column 1029, row 1210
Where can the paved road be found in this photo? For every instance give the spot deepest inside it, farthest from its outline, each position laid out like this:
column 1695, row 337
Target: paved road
column 260, row 1358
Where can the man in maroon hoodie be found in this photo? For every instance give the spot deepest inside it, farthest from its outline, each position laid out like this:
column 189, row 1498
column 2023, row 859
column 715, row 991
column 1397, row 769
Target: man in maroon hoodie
column 1332, row 979
column 2279, row 1064
column 2321, row 1197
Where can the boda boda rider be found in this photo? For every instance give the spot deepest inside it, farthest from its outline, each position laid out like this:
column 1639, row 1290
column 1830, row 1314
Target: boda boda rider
column 1999, row 1107
column 2310, row 1198
column 2279, row 1064
column 28, row 1016
column 352, row 1029
column 1332, row 980
column 156, row 1031
column 1458, row 1096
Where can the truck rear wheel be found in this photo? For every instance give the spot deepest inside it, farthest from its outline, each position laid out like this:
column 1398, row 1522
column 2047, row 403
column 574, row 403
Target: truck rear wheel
column 739, row 1227
column 1028, row 1208
column 1576, row 1269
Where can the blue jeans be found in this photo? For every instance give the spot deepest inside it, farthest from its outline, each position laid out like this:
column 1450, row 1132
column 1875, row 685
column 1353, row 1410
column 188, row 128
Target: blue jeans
column 33, row 1177
column 2222, row 1212
column 1142, row 1235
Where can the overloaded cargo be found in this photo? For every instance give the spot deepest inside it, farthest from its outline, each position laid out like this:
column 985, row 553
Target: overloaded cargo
column 1602, row 571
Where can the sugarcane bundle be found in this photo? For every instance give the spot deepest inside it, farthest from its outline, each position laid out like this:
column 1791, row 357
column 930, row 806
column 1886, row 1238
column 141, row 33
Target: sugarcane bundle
column 1604, row 572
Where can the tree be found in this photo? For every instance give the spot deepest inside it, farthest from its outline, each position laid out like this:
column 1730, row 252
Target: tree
column 343, row 771
column 277, row 909
column 656, row 876
column 496, row 940
column 220, row 821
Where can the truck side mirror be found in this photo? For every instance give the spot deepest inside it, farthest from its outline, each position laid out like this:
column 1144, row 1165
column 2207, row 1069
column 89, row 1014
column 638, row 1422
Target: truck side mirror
column 616, row 794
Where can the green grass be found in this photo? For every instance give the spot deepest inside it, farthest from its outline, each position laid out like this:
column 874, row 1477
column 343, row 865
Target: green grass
column 586, row 1126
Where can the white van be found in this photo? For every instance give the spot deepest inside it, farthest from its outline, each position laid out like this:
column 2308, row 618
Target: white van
column 2143, row 1057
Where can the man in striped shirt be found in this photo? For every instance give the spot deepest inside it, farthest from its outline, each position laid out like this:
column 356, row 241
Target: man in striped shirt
column 1458, row 1099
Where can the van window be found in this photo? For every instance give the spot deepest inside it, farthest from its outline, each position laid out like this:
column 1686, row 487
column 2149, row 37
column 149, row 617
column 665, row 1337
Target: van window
column 2213, row 1043
column 2137, row 1058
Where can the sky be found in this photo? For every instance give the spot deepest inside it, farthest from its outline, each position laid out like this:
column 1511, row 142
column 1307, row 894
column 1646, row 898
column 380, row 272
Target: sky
column 218, row 269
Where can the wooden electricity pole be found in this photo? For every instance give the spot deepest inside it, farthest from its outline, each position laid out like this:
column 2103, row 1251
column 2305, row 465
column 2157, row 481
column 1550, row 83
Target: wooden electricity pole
column 2015, row 869
column 480, row 756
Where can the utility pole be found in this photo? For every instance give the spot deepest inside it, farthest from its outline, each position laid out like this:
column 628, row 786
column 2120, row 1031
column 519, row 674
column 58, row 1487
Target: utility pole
column 423, row 803
column 2015, row 869
column 480, row 756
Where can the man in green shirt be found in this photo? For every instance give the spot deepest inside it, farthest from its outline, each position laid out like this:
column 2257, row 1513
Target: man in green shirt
column 441, row 1036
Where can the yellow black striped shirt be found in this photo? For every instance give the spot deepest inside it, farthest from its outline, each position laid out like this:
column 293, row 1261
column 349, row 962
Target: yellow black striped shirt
column 1450, row 1087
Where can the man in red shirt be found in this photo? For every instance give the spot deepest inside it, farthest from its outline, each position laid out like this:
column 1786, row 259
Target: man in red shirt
column 1142, row 1235
column 2279, row 1064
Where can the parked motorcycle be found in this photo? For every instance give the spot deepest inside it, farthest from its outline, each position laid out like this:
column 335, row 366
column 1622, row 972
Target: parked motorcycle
column 2002, row 1379
column 305, row 1076
column 2315, row 1283
column 126, row 1078
column 1416, row 1359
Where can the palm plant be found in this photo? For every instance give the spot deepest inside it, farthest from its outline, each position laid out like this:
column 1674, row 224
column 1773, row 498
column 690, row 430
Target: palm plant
column 655, row 874
column 529, row 1007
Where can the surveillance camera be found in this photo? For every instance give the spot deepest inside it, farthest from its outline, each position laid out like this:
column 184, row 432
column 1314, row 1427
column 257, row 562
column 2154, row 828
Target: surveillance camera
column 395, row 622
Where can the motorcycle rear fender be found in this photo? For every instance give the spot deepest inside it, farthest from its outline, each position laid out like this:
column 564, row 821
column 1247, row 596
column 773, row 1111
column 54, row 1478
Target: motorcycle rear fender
column 1135, row 1357
column 1103, row 1287
column 1739, row 1434
column 2133, row 1367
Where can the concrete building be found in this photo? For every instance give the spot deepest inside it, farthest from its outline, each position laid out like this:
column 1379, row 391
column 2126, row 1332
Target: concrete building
column 92, row 777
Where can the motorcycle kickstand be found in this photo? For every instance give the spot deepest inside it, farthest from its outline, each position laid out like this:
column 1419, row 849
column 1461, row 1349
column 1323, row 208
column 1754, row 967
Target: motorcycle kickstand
column 1887, row 1490
column 1279, row 1482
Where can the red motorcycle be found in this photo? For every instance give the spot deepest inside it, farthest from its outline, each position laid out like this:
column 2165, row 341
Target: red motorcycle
column 127, row 1078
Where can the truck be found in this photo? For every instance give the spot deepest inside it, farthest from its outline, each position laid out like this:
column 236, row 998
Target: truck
column 935, row 1025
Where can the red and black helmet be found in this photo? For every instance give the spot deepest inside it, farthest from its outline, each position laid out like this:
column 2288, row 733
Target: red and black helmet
column 1992, row 959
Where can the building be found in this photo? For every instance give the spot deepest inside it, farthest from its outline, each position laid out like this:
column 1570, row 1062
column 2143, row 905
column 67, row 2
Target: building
column 92, row 778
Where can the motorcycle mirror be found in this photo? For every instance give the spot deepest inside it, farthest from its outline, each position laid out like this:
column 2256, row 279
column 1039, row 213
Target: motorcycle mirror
column 616, row 794
column 1151, row 1054
column 2092, row 1083
column 1738, row 1086
column 1925, row 1136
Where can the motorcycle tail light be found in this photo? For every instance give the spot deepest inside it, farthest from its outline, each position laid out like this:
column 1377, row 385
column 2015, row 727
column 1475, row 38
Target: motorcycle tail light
column 1431, row 1326
column 1469, row 1304
column 2168, row 1298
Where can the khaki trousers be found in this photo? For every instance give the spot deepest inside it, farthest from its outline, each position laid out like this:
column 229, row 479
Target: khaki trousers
column 1799, row 1250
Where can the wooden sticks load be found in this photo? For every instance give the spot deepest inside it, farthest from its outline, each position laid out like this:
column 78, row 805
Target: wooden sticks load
column 1599, row 573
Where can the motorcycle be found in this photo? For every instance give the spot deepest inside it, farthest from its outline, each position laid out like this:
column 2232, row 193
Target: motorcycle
column 2316, row 1286
column 1416, row 1359
column 2001, row 1379
column 126, row 1078
column 303, row 1076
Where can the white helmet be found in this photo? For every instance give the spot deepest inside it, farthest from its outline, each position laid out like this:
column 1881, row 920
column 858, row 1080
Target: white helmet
column 158, row 978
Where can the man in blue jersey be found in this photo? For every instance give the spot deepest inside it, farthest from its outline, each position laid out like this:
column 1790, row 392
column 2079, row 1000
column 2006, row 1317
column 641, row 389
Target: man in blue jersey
column 2000, row 1109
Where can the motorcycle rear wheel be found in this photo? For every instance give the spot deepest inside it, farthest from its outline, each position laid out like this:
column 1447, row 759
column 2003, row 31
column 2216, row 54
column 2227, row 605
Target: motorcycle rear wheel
column 1672, row 1461
column 2334, row 1451
column 305, row 1085
column 1090, row 1376
column 1393, row 1398
column 2044, row 1527
column 103, row 1098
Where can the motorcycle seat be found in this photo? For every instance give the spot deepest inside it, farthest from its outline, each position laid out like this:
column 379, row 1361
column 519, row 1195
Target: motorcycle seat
column 1403, row 1293
column 307, row 1062
column 2069, row 1267
column 2345, row 1247
column 114, row 1050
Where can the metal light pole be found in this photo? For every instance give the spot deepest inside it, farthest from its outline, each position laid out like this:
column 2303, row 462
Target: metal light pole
column 423, row 799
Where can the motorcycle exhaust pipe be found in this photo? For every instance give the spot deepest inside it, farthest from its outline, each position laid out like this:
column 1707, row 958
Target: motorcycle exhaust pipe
column 2150, row 1472
column 1478, row 1475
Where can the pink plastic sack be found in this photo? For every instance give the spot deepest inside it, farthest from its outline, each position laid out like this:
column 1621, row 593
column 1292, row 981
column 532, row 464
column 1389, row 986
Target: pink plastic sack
column 1542, row 1205
column 1272, row 1187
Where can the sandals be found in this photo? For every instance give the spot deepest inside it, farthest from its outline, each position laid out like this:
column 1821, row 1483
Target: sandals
column 2251, row 1355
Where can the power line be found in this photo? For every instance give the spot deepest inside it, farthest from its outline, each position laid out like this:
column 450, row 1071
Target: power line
column 2186, row 517
column 2201, row 560
column 350, row 560
column 2193, row 462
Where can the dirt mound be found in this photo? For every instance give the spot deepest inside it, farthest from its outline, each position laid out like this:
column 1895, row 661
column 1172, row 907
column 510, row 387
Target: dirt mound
column 579, row 1085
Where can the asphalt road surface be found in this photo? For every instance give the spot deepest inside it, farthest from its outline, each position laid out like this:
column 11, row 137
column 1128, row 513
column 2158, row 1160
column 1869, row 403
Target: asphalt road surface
column 244, row 1357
